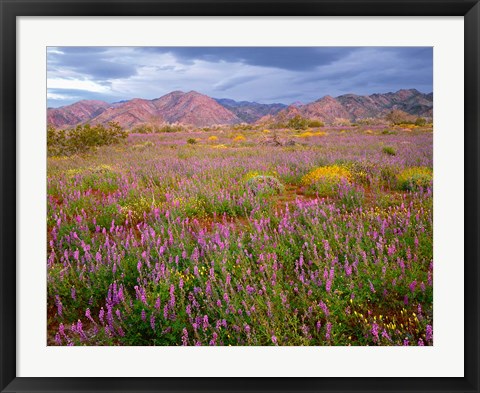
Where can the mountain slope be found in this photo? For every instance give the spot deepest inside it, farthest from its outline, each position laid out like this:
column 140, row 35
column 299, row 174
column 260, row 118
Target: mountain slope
column 199, row 110
column 250, row 112
column 76, row 113
column 354, row 107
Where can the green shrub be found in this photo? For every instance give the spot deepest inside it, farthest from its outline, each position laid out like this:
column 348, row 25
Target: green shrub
column 388, row 176
column 414, row 178
column 362, row 172
column 142, row 146
column 420, row 121
column 316, row 123
column 298, row 123
column 389, row 150
column 170, row 128
column 83, row 138
column 191, row 141
column 388, row 132
column 265, row 185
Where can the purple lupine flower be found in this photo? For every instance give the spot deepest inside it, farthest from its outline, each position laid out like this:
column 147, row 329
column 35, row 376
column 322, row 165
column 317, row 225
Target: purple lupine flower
column 213, row 341
column 101, row 314
column 328, row 330
column 152, row 321
column 157, row 303
column 372, row 288
column 172, row 296
column 144, row 315
column 58, row 339
column 58, row 302
column 274, row 340
column 413, row 285
column 420, row 343
column 324, row 307
column 185, row 337
column 73, row 293
column 406, row 343
column 374, row 332
column 89, row 315
column 205, row 322
column 429, row 333
column 385, row 335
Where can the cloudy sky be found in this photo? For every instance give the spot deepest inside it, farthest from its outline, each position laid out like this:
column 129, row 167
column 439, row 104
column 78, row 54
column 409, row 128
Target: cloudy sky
column 261, row 74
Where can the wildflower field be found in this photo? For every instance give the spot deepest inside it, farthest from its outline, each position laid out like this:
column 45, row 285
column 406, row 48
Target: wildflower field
column 220, row 237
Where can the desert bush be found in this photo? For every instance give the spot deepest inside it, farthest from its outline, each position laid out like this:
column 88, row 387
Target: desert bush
column 389, row 150
column 369, row 121
column 308, row 134
column 414, row 178
column 82, row 138
column 298, row 123
column 239, row 138
column 388, row 132
column 261, row 184
column 361, row 172
column 326, row 180
column 191, row 141
column 316, row 123
column 341, row 122
column 170, row 128
column 142, row 146
column 400, row 117
column 388, row 176
column 420, row 121
column 144, row 129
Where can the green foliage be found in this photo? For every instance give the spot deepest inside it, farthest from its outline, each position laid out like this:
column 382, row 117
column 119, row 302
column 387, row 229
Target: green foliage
column 316, row 123
column 142, row 146
column 389, row 150
column 388, row 132
column 170, row 128
column 388, row 176
column 420, row 121
column 298, row 123
column 191, row 141
column 362, row 172
column 414, row 178
column 265, row 185
column 83, row 138
column 400, row 117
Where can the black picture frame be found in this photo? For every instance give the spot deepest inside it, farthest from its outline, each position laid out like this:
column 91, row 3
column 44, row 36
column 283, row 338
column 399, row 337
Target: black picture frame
column 10, row 9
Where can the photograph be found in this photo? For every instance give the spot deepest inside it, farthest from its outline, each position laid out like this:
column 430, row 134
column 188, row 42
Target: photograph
column 239, row 196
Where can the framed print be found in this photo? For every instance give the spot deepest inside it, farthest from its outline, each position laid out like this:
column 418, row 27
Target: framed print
column 199, row 194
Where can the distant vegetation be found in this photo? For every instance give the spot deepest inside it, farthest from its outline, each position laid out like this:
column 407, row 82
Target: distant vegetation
column 82, row 139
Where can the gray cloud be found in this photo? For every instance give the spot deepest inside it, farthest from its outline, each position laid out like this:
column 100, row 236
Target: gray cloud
column 262, row 74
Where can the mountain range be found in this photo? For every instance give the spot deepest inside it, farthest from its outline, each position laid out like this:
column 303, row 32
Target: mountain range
column 199, row 110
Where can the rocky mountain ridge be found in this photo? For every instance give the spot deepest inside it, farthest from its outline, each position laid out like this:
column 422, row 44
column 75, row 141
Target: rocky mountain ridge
column 199, row 110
